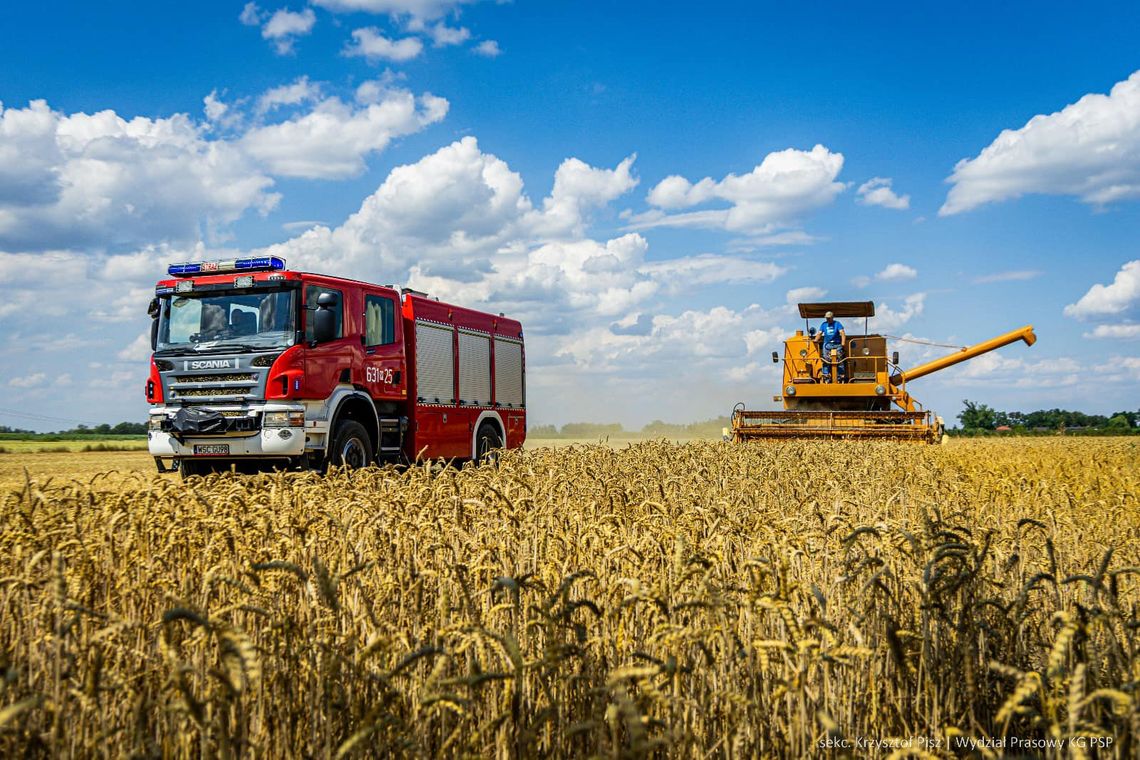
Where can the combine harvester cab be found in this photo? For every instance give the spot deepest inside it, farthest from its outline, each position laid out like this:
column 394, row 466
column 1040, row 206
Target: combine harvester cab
column 867, row 399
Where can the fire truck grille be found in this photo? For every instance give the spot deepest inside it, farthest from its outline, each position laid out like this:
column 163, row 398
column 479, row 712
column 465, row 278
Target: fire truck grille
column 227, row 385
column 236, row 377
column 211, row 392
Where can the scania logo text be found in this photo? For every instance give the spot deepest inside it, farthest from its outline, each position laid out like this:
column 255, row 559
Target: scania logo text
column 211, row 364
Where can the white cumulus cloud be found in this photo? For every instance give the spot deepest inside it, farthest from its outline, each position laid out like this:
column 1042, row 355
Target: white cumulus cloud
column 251, row 15
column 1121, row 296
column 878, row 192
column 332, row 140
column 33, row 380
column 443, row 35
column 895, row 272
column 808, row 294
column 891, row 318
column 1126, row 331
column 719, row 337
column 285, row 26
column 711, row 269
column 1089, row 149
column 488, row 49
column 453, row 210
column 81, row 179
column 215, row 109
column 459, row 224
column 138, row 350
column 579, row 187
column 299, row 91
column 369, row 43
column 427, row 10
column 281, row 27
column 784, row 186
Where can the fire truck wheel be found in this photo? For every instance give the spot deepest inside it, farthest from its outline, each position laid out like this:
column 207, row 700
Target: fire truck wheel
column 351, row 446
column 188, row 467
column 487, row 443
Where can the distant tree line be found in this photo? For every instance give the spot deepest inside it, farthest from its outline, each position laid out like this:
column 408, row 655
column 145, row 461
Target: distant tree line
column 979, row 418
column 975, row 418
column 655, row 429
column 123, row 428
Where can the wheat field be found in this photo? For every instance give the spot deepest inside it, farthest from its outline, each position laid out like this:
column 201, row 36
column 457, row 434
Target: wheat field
column 682, row 600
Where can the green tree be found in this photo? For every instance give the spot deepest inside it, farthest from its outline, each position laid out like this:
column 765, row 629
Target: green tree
column 1118, row 422
column 1133, row 418
column 590, row 429
column 661, row 428
column 977, row 416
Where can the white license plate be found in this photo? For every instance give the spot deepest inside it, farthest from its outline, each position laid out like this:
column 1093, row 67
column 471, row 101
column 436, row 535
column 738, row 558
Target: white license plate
column 212, row 450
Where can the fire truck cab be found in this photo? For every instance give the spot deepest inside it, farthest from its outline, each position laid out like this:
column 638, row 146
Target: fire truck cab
column 255, row 363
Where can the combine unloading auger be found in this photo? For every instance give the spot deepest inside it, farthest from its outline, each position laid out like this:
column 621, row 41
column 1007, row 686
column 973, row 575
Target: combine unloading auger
column 862, row 395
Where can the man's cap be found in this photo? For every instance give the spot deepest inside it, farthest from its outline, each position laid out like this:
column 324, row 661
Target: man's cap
column 828, row 315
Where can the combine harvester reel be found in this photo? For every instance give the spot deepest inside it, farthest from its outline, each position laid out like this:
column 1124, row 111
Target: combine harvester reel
column 862, row 394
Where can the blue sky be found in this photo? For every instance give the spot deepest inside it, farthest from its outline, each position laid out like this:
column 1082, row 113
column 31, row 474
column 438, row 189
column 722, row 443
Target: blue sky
column 649, row 186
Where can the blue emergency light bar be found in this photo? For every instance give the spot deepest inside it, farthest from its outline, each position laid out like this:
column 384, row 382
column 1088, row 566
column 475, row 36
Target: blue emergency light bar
column 251, row 264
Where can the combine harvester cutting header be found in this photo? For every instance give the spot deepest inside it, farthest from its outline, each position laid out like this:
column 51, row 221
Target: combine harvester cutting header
column 858, row 392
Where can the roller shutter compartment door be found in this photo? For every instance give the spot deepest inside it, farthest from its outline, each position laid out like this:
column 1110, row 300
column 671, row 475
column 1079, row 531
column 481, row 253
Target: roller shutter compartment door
column 435, row 364
column 474, row 368
column 509, row 387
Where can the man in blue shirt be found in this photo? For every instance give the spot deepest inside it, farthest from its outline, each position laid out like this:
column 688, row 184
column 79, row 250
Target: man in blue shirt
column 832, row 336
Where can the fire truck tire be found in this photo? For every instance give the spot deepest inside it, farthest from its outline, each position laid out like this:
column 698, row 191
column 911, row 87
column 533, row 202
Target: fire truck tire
column 487, row 443
column 351, row 446
column 188, row 467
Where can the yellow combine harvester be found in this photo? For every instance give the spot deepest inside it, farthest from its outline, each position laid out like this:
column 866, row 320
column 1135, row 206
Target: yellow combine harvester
column 862, row 394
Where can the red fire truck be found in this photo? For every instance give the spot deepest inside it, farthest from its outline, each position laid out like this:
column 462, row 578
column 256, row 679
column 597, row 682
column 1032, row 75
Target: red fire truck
column 255, row 363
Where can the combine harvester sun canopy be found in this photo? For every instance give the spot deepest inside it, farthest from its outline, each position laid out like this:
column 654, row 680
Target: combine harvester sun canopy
column 855, row 390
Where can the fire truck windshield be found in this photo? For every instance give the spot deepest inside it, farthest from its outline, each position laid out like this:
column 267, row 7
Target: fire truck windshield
column 221, row 321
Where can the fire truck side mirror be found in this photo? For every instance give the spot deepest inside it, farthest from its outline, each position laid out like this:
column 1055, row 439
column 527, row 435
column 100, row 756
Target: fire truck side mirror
column 324, row 319
column 775, row 358
column 895, row 358
column 152, row 310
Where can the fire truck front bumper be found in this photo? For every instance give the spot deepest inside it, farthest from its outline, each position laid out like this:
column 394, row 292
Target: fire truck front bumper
column 270, row 443
column 284, row 438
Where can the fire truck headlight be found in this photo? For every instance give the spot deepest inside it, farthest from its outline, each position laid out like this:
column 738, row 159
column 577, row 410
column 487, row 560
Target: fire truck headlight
column 265, row 360
column 790, row 390
column 154, row 423
column 283, row 419
column 880, row 390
